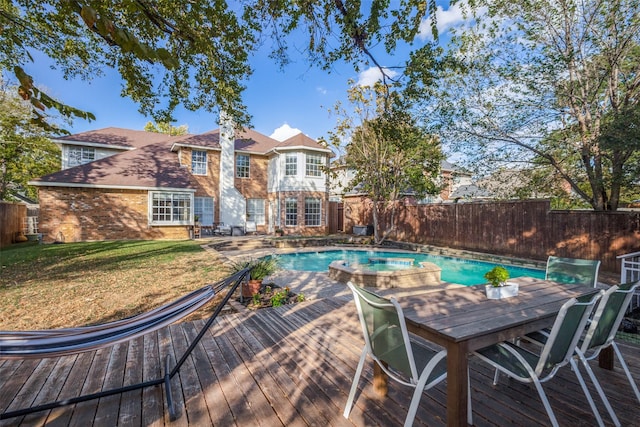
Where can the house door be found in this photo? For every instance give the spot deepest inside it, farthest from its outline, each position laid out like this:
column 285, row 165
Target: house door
column 203, row 209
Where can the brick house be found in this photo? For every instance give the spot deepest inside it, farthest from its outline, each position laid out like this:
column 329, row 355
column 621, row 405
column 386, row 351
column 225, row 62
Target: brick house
column 126, row 184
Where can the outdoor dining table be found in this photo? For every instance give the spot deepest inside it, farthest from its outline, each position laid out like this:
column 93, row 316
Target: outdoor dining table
column 464, row 319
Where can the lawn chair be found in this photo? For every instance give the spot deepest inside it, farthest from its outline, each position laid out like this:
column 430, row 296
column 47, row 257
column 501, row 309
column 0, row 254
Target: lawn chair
column 62, row 342
column 387, row 341
column 526, row 366
column 602, row 332
column 572, row 271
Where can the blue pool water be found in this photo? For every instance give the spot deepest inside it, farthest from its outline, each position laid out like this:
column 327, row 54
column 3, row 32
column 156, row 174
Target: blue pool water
column 454, row 270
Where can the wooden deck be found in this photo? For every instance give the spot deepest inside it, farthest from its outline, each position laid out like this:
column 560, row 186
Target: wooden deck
column 289, row 366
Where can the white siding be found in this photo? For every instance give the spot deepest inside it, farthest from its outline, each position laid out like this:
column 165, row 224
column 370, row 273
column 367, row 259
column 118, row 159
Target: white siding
column 279, row 182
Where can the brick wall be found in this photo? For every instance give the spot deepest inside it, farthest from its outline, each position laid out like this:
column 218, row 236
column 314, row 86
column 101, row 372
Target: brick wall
column 207, row 185
column 81, row 214
column 301, row 228
column 254, row 187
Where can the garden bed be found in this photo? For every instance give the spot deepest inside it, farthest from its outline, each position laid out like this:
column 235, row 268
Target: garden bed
column 270, row 295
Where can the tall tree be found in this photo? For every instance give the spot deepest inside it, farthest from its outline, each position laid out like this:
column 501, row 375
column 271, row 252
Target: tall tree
column 542, row 67
column 191, row 53
column 25, row 150
column 391, row 155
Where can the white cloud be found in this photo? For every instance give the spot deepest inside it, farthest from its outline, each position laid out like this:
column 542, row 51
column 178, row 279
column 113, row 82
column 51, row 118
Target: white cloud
column 321, row 90
column 456, row 16
column 284, row 132
column 372, row 75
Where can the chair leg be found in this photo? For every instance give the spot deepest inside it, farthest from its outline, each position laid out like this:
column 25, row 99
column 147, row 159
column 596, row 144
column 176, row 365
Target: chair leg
column 596, row 384
column 354, row 386
column 585, row 390
column 413, row 406
column 421, row 386
column 626, row 370
column 545, row 402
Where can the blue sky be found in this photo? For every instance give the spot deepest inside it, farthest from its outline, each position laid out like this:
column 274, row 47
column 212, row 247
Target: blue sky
column 282, row 102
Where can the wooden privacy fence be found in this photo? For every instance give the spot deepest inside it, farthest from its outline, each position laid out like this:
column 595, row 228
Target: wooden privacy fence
column 12, row 218
column 524, row 229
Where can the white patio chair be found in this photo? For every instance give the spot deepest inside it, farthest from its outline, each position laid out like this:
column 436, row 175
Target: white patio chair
column 529, row 367
column 388, row 343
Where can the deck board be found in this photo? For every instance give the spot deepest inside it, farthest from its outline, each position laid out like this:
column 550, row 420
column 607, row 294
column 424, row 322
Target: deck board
column 288, row 366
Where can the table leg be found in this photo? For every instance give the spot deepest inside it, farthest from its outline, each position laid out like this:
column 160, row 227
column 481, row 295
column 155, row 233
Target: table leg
column 457, row 382
column 605, row 359
column 380, row 379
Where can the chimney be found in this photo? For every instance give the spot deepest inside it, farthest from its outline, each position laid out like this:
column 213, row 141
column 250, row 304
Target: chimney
column 231, row 203
column 227, row 142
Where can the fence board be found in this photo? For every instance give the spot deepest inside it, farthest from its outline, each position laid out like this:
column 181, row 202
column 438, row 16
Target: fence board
column 12, row 218
column 524, row 229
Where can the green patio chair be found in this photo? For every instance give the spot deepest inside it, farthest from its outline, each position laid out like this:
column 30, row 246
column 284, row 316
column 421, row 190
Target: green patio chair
column 602, row 332
column 387, row 341
column 568, row 271
column 572, row 270
column 529, row 367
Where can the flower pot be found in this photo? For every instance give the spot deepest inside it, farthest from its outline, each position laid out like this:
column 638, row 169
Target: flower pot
column 499, row 292
column 251, row 287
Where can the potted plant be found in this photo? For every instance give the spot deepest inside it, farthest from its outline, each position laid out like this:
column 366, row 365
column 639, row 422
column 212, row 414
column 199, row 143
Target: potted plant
column 258, row 269
column 498, row 286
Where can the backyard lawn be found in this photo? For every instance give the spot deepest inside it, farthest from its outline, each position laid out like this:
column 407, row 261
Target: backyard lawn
column 75, row 284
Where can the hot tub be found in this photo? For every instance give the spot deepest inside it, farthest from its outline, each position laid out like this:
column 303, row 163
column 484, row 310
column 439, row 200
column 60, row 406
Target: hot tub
column 386, row 273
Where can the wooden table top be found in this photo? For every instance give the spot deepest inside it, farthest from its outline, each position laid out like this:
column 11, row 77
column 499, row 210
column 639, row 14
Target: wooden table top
column 466, row 314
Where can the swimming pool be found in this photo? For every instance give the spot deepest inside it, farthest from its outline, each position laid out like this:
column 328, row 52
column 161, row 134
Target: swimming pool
column 454, row 270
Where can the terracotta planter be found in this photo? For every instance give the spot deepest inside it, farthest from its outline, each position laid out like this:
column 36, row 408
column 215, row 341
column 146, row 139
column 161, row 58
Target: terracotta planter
column 251, row 287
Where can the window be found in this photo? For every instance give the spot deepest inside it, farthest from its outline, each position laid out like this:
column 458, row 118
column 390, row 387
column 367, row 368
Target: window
column 314, row 165
column 199, row 162
column 291, row 212
column 80, row 155
column 170, row 208
column 255, row 211
column 242, row 166
column 291, row 164
column 312, row 213
column 203, row 209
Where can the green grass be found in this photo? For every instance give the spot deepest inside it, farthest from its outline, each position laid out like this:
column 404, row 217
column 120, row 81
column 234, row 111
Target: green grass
column 45, row 286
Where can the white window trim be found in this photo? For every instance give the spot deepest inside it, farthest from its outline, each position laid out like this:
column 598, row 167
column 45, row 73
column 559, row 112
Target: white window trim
column 285, row 212
column 248, row 166
column 82, row 152
column 315, row 164
column 319, row 224
column 294, row 164
column 199, row 163
column 188, row 221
